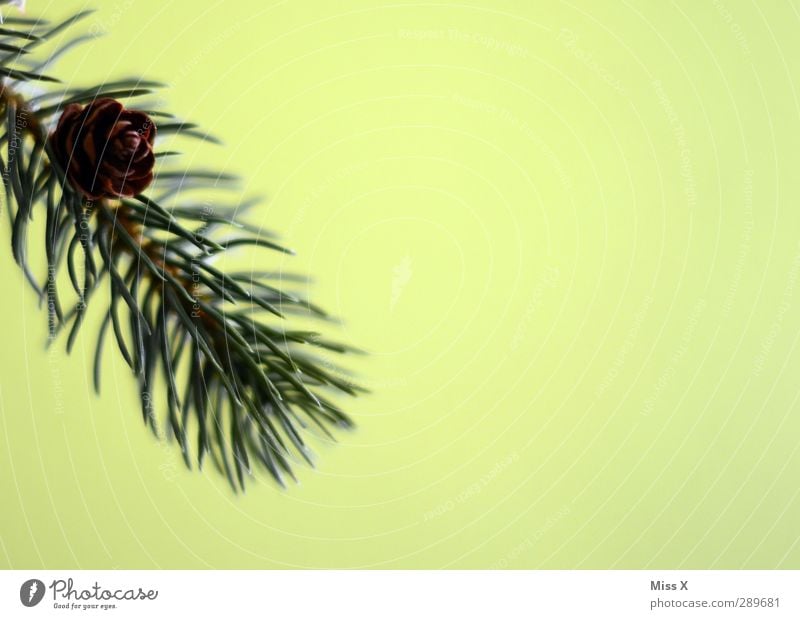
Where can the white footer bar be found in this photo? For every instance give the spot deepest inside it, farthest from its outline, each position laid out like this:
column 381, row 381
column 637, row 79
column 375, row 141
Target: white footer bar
column 402, row 594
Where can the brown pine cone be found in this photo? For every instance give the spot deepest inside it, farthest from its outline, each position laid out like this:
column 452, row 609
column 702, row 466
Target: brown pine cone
column 105, row 150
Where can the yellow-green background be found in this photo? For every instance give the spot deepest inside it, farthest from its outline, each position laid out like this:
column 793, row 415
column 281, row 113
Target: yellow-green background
column 569, row 233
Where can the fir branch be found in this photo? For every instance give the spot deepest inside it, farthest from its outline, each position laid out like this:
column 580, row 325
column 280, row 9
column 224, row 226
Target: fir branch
column 230, row 370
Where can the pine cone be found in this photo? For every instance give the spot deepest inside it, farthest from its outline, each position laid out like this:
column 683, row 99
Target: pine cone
column 105, row 150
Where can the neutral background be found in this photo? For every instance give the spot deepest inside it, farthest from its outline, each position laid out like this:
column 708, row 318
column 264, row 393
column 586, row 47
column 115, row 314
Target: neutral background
column 568, row 233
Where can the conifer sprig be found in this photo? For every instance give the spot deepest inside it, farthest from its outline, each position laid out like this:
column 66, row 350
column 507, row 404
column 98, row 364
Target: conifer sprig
column 238, row 385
